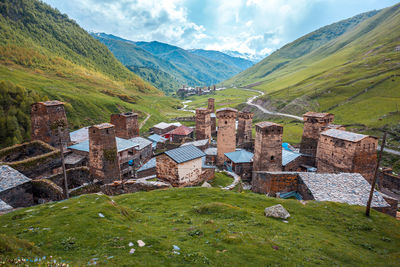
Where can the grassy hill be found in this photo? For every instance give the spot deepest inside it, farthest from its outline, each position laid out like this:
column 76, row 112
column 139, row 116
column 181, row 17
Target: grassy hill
column 240, row 63
column 209, row 227
column 353, row 75
column 45, row 55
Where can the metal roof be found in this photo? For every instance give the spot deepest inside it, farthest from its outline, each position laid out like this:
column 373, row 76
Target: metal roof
column 156, row 138
column 197, row 143
column 288, row 156
column 344, row 135
column 10, row 178
column 164, row 125
column 148, row 165
column 211, row 151
column 80, row 135
column 122, row 144
column 185, row 153
column 350, row 188
column 240, row 156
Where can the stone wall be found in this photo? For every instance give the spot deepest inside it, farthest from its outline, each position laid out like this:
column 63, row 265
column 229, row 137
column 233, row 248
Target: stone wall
column 268, row 147
column 18, row 196
column 295, row 165
column 88, row 188
column 272, row 183
column 207, row 174
column 189, row 173
column 75, row 177
column 126, row 125
column 103, row 158
column 132, row 186
column 388, row 180
column 166, row 169
column 203, row 124
column 244, row 130
column 244, row 170
column 226, row 139
column 392, row 209
column 45, row 117
column 46, row 190
column 146, row 173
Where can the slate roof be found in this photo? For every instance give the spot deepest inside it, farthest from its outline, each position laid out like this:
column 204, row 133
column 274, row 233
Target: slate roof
column 181, row 130
column 288, row 156
column 10, row 178
column 344, row 135
column 350, row 188
column 185, row 153
column 148, row 165
column 197, row 143
column 72, row 159
column 122, row 144
column 80, row 135
column 315, row 114
column 156, row 138
column 4, row 206
column 240, row 156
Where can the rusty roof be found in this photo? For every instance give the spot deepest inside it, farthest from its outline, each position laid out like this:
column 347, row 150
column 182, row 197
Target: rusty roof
column 181, row 130
column 344, row 135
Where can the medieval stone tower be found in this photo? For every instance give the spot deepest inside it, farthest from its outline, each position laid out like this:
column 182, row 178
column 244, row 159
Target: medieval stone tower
column 126, row 125
column 313, row 124
column 45, row 119
column 268, row 147
column 226, row 139
column 203, row 124
column 211, row 107
column 103, row 157
column 244, row 131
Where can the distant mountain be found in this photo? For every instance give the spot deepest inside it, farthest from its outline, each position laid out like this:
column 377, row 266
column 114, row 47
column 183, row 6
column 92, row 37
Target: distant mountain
column 239, row 62
column 247, row 56
column 350, row 68
column 167, row 67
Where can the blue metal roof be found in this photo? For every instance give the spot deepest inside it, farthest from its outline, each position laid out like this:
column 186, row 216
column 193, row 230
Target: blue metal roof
column 240, row 156
column 156, row 138
column 288, row 156
column 83, row 146
column 148, row 165
column 185, row 153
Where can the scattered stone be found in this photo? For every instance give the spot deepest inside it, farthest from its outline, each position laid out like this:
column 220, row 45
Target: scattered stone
column 277, row 211
column 205, row 184
column 285, row 221
column 141, row 243
column 132, row 251
column 130, row 244
column 65, row 207
column 101, row 215
column 176, row 247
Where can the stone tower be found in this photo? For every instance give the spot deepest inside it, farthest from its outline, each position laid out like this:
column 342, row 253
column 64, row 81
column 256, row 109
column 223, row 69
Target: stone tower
column 45, row 116
column 203, row 124
column 211, row 107
column 268, row 147
column 313, row 124
column 226, row 139
column 103, row 157
column 244, row 131
column 126, row 125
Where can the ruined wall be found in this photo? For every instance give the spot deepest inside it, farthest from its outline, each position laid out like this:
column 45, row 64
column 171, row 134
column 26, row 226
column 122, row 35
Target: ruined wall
column 45, row 190
column 45, row 116
column 167, row 169
column 19, row 196
column 87, row 188
column 268, row 147
column 244, row 170
column 132, row 186
column 244, row 131
column 103, row 158
column 313, row 125
column 203, row 124
column 393, row 205
column 126, row 125
column 272, row 183
column 388, row 180
column 207, row 174
column 226, row 139
column 75, row 177
column 146, row 173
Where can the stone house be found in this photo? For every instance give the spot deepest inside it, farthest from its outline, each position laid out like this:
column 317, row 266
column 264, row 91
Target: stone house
column 200, row 144
column 240, row 162
column 163, row 127
column 181, row 166
column 158, row 141
column 15, row 188
column 179, row 134
column 211, row 156
column 343, row 151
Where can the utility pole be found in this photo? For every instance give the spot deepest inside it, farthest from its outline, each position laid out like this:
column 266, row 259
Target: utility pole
column 63, row 162
column 371, row 193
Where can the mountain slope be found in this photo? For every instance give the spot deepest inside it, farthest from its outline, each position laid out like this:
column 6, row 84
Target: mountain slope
column 43, row 54
column 205, row 227
column 353, row 75
column 240, row 63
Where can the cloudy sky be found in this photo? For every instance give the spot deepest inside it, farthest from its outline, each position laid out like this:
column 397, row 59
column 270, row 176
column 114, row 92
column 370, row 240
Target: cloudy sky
column 247, row 26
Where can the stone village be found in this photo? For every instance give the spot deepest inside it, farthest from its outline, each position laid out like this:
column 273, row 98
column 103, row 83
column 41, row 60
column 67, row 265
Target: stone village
column 331, row 164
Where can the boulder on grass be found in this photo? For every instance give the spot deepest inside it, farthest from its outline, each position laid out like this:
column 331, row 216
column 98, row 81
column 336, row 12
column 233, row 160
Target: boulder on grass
column 277, row 211
column 205, row 184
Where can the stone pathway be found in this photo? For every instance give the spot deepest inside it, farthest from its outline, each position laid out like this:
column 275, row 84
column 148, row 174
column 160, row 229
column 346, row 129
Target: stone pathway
column 236, row 180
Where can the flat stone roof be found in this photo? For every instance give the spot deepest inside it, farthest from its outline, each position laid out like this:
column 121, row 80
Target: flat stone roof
column 264, row 124
column 52, row 103
column 350, row 188
column 344, row 135
column 10, row 178
column 316, row 114
column 103, row 125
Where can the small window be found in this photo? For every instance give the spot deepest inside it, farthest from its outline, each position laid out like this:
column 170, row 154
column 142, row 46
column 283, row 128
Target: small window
column 272, row 157
column 226, row 122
